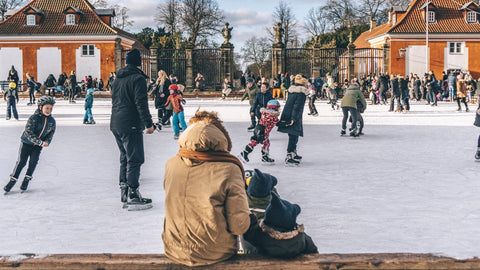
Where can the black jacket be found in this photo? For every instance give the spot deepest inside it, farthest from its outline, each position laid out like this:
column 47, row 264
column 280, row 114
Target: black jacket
column 61, row 80
column 261, row 100
column 157, row 91
column 130, row 101
column 293, row 110
column 40, row 128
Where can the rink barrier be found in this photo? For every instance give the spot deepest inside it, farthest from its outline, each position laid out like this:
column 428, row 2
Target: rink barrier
column 107, row 261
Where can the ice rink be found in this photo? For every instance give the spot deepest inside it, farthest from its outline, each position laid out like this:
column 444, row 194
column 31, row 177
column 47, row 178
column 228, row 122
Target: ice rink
column 410, row 184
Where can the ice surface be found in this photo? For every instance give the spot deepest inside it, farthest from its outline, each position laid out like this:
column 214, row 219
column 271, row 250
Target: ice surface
column 409, row 185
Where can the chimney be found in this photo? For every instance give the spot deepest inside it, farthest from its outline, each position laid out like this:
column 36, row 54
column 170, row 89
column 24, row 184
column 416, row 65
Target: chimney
column 373, row 24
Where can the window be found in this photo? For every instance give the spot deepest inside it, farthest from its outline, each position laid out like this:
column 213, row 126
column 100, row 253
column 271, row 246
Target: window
column 471, row 16
column 394, row 19
column 31, row 20
column 455, row 47
column 70, row 19
column 431, row 16
column 88, row 50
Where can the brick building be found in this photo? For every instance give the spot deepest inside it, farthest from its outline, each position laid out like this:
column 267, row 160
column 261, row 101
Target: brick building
column 54, row 36
column 453, row 37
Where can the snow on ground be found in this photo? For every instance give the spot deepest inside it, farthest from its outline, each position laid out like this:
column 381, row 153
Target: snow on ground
column 409, row 185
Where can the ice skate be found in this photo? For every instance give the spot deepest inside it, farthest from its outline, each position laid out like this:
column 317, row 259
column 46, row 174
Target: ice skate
column 175, row 136
column 477, row 155
column 25, row 182
column 343, row 132
column 266, row 160
column 251, row 127
column 296, row 157
column 10, row 185
column 136, row 202
column 244, row 154
column 157, row 127
column 123, row 192
column 290, row 161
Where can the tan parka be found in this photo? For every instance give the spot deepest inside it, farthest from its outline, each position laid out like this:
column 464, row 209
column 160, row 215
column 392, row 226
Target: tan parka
column 206, row 205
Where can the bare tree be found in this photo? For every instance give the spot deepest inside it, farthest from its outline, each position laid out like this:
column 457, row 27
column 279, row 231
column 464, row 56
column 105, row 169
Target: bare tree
column 283, row 14
column 382, row 16
column 168, row 15
column 341, row 12
column 372, row 8
column 121, row 19
column 316, row 22
column 200, row 18
column 6, row 5
column 99, row 3
column 256, row 51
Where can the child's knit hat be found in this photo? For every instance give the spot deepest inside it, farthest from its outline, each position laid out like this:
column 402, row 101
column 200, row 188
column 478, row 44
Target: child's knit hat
column 261, row 184
column 281, row 215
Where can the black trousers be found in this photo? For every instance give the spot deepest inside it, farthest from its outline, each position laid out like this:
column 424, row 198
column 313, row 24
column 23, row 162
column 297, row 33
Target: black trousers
column 132, row 156
column 31, row 94
column 160, row 113
column 166, row 117
column 353, row 113
column 27, row 152
column 292, row 143
column 311, row 104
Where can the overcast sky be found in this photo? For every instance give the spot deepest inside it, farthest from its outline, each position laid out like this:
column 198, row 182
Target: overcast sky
column 247, row 17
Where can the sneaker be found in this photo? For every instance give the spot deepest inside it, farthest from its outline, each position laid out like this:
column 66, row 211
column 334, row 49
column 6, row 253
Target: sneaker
column 25, row 182
column 10, row 184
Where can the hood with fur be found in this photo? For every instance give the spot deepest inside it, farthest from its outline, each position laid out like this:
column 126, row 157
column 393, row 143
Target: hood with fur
column 205, row 132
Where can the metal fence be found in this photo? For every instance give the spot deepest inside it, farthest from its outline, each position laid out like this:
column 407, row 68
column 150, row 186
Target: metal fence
column 208, row 62
column 174, row 62
column 146, row 63
column 299, row 60
column 368, row 61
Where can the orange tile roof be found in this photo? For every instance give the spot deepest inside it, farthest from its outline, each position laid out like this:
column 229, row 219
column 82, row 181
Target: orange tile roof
column 53, row 20
column 362, row 40
column 450, row 19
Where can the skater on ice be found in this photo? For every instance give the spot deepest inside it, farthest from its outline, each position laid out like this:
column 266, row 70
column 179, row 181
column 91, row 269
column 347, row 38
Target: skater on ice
column 88, row 118
column 352, row 96
column 11, row 97
column 251, row 93
column 38, row 134
column 291, row 118
column 130, row 116
column 176, row 100
column 261, row 133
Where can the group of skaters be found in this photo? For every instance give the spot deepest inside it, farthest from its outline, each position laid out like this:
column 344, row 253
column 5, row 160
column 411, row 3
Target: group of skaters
column 454, row 85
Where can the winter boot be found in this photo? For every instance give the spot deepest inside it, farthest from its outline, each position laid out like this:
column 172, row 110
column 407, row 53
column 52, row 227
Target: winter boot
column 265, row 158
column 25, row 182
column 296, row 157
column 477, row 155
column 244, row 154
column 123, row 192
column 10, row 184
column 136, row 202
column 290, row 161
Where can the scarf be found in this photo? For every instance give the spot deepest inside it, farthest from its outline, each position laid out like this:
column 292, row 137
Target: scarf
column 211, row 156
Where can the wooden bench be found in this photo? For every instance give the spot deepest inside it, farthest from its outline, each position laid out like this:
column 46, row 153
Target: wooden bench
column 239, row 262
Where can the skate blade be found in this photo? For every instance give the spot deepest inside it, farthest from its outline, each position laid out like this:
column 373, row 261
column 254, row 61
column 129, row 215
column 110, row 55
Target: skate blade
column 138, row 207
column 22, row 191
column 268, row 163
column 291, row 165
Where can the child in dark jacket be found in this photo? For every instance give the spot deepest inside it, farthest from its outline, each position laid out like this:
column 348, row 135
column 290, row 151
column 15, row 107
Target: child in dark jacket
column 259, row 188
column 88, row 118
column 11, row 97
column 268, row 120
column 37, row 135
column 278, row 234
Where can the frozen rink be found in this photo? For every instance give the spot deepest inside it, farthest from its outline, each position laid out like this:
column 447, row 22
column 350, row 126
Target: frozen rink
column 409, row 185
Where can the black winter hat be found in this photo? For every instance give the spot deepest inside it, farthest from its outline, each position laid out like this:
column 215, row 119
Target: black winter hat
column 134, row 58
column 250, row 80
column 261, row 184
column 281, row 215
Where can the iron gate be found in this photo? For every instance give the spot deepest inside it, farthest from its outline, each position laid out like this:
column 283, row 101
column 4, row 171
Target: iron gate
column 174, row 62
column 208, row 63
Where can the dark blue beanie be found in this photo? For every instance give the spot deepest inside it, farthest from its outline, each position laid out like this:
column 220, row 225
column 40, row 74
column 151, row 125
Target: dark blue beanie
column 134, row 58
column 261, row 184
column 281, row 215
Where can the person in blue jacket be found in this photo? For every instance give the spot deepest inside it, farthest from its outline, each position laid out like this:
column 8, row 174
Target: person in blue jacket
column 88, row 118
column 38, row 134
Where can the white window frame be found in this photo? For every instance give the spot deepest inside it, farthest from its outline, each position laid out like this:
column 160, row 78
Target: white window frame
column 471, row 16
column 31, row 20
column 456, row 46
column 88, row 50
column 394, row 19
column 431, row 16
column 70, row 19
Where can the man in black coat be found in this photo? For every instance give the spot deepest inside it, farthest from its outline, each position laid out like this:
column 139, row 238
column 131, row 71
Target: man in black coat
column 261, row 100
column 130, row 116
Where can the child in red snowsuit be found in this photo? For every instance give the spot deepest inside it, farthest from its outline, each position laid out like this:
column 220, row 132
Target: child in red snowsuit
column 268, row 120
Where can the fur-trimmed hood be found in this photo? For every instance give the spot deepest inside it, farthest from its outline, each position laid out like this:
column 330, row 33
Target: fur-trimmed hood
column 270, row 111
column 298, row 89
column 281, row 235
column 205, row 132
